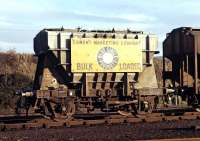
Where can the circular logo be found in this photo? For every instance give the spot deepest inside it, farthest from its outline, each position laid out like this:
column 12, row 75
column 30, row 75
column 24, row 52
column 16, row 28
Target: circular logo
column 107, row 57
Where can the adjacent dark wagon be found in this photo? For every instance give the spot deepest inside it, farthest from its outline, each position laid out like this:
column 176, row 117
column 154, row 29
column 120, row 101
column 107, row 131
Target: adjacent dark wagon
column 182, row 48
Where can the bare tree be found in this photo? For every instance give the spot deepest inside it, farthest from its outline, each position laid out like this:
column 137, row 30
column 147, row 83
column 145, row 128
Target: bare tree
column 8, row 61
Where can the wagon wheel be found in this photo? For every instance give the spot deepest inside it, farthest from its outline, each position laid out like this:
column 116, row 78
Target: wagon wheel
column 70, row 111
column 57, row 109
column 128, row 110
column 64, row 110
column 150, row 108
column 124, row 113
column 21, row 106
column 151, row 104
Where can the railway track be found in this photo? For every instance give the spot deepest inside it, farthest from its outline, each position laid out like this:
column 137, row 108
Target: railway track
column 8, row 119
column 184, row 139
column 36, row 121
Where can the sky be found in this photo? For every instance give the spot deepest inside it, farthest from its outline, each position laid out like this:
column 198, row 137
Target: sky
column 21, row 20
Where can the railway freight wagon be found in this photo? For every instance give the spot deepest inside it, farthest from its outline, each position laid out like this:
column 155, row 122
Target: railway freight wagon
column 182, row 48
column 87, row 71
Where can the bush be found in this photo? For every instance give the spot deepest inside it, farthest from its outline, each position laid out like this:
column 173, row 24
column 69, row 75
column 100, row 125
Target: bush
column 16, row 72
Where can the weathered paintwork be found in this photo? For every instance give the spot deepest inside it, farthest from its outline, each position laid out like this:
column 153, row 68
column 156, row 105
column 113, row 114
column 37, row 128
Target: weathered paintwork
column 58, row 57
column 182, row 48
column 106, row 55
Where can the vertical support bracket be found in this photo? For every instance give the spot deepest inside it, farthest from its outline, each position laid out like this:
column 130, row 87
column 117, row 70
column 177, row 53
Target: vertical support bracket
column 148, row 50
column 126, row 84
column 85, row 85
column 196, row 65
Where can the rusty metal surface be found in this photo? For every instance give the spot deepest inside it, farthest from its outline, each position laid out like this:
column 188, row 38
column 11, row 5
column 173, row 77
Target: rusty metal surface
column 181, row 47
column 112, row 119
column 53, row 49
column 93, row 67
